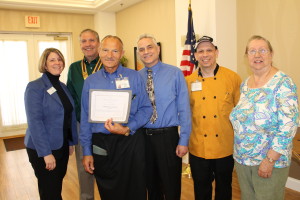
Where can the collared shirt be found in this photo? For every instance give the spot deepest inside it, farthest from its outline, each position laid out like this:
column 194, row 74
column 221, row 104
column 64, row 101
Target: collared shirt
column 211, row 104
column 171, row 98
column 265, row 118
column 140, row 111
column 75, row 81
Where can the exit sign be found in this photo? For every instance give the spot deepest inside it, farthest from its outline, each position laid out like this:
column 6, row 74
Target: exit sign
column 32, row 21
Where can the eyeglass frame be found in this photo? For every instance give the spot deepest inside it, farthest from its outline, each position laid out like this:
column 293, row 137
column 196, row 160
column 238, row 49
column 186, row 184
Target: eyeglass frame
column 253, row 52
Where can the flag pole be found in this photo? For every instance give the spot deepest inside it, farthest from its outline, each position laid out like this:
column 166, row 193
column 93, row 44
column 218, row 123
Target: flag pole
column 188, row 61
column 187, row 171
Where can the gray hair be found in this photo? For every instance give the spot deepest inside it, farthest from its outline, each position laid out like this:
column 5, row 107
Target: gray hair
column 114, row 37
column 91, row 31
column 146, row 35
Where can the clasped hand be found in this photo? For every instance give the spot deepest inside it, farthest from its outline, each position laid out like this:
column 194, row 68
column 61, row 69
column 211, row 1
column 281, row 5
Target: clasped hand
column 115, row 128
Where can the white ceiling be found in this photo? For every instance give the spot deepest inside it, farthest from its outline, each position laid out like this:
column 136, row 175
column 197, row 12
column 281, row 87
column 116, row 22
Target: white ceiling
column 70, row 6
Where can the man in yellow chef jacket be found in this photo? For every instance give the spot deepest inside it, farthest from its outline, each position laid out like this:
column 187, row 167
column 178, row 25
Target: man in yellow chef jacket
column 214, row 91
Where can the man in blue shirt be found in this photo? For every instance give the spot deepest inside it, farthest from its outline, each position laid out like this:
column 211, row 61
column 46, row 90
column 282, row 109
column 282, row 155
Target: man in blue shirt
column 114, row 152
column 171, row 108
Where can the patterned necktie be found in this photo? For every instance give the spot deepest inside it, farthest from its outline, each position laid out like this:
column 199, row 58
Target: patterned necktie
column 150, row 91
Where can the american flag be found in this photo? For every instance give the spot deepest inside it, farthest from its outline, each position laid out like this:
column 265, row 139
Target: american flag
column 188, row 61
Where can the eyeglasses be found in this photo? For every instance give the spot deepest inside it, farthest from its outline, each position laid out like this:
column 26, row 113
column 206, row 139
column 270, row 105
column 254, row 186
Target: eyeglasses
column 260, row 51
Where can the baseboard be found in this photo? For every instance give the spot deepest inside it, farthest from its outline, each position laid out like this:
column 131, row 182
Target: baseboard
column 13, row 144
column 293, row 184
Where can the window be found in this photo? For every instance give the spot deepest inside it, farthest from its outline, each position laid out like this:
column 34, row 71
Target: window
column 19, row 55
column 13, row 81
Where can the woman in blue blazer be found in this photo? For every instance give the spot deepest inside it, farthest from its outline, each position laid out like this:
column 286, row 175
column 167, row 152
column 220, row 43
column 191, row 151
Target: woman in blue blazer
column 51, row 133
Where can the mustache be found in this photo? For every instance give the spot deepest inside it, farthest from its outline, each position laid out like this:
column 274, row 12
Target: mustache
column 109, row 59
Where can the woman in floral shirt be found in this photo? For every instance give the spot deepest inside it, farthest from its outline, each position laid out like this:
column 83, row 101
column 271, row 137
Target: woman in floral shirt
column 265, row 121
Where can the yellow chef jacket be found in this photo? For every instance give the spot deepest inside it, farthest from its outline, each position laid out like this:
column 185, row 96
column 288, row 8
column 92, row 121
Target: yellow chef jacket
column 211, row 103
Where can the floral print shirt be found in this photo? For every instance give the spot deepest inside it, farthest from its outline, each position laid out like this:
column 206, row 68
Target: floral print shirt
column 265, row 118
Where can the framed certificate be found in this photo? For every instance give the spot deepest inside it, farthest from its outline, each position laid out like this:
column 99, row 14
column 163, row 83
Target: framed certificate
column 106, row 104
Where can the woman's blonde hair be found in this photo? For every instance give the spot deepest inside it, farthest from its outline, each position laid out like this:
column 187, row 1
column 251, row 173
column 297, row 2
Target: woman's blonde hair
column 258, row 37
column 43, row 59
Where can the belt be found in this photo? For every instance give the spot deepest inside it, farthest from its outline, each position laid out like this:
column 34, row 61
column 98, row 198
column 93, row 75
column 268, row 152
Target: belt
column 157, row 131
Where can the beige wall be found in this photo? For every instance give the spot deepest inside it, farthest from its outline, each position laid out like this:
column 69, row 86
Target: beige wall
column 156, row 17
column 105, row 23
column 276, row 20
column 14, row 20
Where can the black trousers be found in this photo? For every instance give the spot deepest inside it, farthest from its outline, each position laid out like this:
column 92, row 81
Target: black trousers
column 163, row 166
column 50, row 182
column 205, row 171
column 120, row 175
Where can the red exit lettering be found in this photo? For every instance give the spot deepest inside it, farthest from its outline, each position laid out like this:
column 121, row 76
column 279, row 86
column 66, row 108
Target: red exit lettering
column 32, row 19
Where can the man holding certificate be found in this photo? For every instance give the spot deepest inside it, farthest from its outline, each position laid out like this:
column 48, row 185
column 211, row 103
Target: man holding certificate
column 168, row 94
column 113, row 148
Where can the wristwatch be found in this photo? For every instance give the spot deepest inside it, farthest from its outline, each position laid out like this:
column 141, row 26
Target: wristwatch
column 271, row 160
column 128, row 132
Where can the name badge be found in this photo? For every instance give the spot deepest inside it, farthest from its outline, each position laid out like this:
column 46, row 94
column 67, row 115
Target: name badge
column 122, row 83
column 196, row 86
column 51, row 90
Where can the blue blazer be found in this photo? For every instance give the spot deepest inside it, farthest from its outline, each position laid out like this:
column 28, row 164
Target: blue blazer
column 45, row 117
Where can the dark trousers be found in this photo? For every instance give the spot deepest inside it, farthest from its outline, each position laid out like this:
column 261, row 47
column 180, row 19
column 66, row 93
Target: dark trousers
column 120, row 175
column 163, row 166
column 205, row 171
column 50, row 182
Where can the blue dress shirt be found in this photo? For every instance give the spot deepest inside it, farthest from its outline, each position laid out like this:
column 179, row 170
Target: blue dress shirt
column 171, row 98
column 140, row 111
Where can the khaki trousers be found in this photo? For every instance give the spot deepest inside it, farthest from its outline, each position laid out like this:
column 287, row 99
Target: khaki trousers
column 254, row 187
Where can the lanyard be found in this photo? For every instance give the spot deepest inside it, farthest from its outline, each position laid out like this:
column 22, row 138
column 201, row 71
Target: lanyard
column 84, row 70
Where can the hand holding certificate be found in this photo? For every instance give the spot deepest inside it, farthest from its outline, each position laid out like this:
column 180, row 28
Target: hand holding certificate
column 106, row 104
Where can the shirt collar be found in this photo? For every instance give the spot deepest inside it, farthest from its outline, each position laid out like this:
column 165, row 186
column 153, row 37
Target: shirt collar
column 93, row 61
column 155, row 68
column 117, row 73
column 215, row 71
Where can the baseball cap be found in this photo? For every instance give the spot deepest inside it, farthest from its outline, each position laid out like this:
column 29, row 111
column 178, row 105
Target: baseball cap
column 205, row 39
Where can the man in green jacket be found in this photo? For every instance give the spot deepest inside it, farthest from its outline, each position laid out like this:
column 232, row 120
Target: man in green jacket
column 78, row 72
